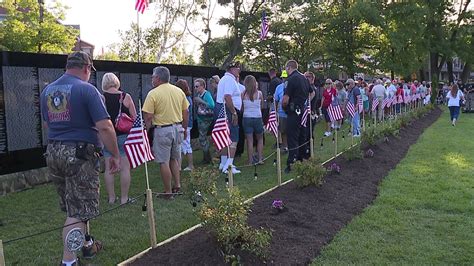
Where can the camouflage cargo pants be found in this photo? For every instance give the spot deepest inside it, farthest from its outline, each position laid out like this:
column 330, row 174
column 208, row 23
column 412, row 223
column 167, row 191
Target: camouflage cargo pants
column 203, row 126
column 77, row 180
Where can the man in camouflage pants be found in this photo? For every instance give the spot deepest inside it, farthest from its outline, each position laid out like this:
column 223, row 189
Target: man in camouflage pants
column 77, row 121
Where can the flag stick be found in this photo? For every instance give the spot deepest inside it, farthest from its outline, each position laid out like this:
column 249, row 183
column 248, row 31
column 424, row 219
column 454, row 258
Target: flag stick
column 2, row 256
column 149, row 194
column 230, row 176
column 141, row 121
column 278, row 145
column 151, row 217
column 311, row 142
column 335, row 143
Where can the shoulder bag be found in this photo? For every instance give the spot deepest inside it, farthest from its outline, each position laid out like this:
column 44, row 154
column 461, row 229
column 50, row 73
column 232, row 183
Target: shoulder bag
column 123, row 123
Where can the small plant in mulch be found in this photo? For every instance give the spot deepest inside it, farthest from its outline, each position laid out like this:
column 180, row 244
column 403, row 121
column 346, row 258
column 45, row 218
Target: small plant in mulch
column 226, row 218
column 309, row 172
column 201, row 184
column 369, row 153
column 353, row 153
column 334, row 168
column 278, row 207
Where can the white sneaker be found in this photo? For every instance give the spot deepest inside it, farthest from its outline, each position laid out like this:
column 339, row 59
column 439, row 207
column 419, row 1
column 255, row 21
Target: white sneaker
column 327, row 134
column 188, row 169
column 221, row 166
column 234, row 170
column 356, row 135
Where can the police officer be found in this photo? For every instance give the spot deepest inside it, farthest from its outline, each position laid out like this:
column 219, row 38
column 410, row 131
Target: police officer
column 295, row 96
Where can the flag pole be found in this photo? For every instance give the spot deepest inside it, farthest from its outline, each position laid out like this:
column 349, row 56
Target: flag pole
column 278, row 145
column 311, row 141
column 138, row 36
column 2, row 256
column 149, row 194
column 230, row 176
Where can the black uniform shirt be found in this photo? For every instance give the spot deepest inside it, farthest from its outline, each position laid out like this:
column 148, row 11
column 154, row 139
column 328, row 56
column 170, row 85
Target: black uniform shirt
column 274, row 82
column 297, row 88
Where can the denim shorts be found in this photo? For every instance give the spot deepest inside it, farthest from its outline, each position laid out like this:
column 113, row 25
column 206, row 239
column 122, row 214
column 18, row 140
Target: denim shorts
column 252, row 125
column 120, row 141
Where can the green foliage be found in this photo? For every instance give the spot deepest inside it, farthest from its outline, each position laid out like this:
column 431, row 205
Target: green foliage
column 203, row 180
column 309, row 172
column 226, row 218
column 354, row 153
column 24, row 31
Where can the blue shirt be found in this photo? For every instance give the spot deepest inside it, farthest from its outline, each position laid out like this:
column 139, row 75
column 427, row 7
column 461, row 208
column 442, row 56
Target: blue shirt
column 190, row 111
column 71, row 107
column 279, row 91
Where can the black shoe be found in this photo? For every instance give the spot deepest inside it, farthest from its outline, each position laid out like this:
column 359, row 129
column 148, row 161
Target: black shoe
column 287, row 170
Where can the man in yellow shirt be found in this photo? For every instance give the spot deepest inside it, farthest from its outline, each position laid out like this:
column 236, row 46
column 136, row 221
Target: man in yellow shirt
column 166, row 110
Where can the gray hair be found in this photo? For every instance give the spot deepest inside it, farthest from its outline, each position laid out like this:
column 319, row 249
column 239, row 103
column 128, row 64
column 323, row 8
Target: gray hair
column 163, row 73
column 350, row 81
column 378, row 82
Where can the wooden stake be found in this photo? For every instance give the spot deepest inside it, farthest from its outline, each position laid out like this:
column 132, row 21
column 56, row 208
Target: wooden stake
column 151, row 217
column 279, row 166
column 2, row 256
column 231, row 177
column 311, row 147
column 335, row 143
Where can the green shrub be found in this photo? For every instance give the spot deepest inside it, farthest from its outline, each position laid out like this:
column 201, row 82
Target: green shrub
column 354, row 153
column 202, row 180
column 309, row 172
column 226, row 218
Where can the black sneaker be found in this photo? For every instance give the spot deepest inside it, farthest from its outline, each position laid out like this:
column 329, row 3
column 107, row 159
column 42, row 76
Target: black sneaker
column 287, row 170
column 90, row 251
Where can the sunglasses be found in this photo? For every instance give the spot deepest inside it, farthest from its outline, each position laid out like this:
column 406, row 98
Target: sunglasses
column 197, row 86
column 328, row 83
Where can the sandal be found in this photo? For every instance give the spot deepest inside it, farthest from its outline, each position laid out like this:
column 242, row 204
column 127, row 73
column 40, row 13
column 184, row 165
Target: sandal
column 176, row 190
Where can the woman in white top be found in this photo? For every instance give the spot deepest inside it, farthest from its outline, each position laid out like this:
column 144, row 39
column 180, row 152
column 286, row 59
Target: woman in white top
column 454, row 96
column 252, row 101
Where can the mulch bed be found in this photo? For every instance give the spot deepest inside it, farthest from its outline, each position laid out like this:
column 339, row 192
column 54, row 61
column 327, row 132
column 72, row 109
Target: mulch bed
column 314, row 215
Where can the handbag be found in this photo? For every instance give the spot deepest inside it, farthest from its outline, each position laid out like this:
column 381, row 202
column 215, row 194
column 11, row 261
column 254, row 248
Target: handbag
column 123, row 122
column 203, row 110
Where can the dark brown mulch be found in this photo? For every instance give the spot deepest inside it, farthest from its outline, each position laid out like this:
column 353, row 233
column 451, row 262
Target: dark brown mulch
column 314, row 215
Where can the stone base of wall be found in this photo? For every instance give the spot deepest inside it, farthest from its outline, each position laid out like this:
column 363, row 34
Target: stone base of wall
column 23, row 180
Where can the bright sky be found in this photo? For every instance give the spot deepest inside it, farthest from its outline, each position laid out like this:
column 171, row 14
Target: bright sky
column 100, row 20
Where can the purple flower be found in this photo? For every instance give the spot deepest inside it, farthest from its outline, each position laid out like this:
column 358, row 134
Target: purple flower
column 335, row 168
column 369, row 153
column 277, row 204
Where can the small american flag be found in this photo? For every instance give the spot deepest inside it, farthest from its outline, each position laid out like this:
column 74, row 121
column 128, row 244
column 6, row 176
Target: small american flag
column 221, row 133
column 406, row 99
column 361, row 103
column 137, row 147
column 334, row 111
column 386, row 102
column 272, row 124
column 375, row 103
column 306, row 113
column 350, row 108
column 400, row 99
column 141, row 5
column 265, row 26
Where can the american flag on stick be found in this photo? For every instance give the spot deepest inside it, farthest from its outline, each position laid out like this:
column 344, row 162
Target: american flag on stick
column 334, row 111
column 350, row 108
column 137, row 146
column 141, row 5
column 306, row 113
column 221, row 133
column 361, row 103
column 272, row 124
column 375, row 103
column 386, row 102
column 265, row 27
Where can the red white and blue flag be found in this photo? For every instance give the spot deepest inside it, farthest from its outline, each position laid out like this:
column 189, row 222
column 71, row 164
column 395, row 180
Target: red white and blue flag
column 361, row 103
column 386, row 102
column 306, row 113
column 350, row 108
column 141, row 5
column 375, row 103
column 334, row 111
column 221, row 133
column 137, row 146
column 272, row 124
column 265, row 27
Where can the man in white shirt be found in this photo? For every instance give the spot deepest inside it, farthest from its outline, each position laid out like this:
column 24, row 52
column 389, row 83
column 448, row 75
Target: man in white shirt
column 228, row 94
column 379, row 92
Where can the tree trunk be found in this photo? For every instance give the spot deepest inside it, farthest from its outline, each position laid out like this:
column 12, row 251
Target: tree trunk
column 466, row 72
column 449, row 63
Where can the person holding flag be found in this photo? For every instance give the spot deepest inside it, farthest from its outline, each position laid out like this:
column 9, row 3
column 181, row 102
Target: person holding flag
column 166, row 111
column 353, row 95
column 282, row 116
column 295, row 95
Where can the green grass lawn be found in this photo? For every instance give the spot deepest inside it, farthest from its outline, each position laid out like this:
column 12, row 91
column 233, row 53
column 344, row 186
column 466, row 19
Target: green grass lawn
column 424, row 213
column 124, row 231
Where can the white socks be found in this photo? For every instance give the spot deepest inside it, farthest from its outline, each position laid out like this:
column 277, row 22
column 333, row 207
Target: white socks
column 229, row 161
column 223, row 162
column 69, row 263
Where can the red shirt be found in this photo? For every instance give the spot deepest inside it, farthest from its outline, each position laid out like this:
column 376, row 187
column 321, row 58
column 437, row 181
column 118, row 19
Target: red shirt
column 327, row 96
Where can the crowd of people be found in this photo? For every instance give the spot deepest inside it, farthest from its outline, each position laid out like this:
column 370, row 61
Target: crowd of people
column 81, row 123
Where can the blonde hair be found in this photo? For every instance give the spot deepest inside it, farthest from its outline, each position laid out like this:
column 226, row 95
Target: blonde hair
column 110, row 80
column 201, row 82
column 250, row 84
